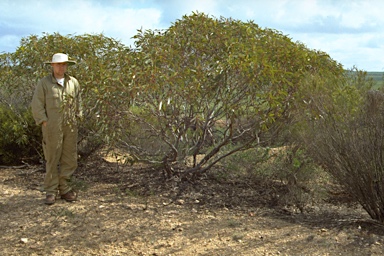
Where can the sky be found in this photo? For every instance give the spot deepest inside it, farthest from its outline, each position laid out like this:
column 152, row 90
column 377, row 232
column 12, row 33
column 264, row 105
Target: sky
column 350, row 31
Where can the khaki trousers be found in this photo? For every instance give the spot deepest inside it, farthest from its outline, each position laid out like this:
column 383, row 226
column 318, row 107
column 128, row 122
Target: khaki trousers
column 60, row 151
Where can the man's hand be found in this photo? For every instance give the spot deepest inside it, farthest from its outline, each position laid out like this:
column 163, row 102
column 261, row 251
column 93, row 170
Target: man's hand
column 44, row 124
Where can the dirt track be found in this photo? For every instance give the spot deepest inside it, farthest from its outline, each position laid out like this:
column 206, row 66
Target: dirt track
column 132, row 211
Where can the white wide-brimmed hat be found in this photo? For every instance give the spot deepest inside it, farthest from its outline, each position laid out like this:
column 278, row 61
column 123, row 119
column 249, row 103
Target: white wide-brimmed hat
column 60, row 58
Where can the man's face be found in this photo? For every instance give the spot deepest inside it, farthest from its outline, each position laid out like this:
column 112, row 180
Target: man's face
column 59, row 69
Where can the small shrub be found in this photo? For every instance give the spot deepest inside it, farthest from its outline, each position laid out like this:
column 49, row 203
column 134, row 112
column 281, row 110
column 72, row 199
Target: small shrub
column 351, row 148
column 79, row 185
column 288, row 171
column 20, row 138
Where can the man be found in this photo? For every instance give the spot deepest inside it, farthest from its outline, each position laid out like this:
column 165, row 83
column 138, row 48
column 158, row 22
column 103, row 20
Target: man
column 56, row 107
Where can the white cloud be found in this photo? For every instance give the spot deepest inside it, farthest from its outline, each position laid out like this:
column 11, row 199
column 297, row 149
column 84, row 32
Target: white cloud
column 78, row 17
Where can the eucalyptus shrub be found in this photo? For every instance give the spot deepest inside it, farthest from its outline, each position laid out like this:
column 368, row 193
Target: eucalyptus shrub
column 99, row 69
column 213, row 87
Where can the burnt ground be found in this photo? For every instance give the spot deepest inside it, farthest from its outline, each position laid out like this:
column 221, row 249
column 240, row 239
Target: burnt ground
column 133, row 210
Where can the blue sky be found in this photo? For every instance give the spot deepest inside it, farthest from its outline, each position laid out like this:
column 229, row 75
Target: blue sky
column 350, row 31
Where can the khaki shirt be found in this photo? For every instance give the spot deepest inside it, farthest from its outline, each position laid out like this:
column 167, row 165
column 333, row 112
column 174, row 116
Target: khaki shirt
column 56, row 104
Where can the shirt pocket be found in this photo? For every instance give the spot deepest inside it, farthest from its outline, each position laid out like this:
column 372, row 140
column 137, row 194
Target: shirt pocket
column 54, row 100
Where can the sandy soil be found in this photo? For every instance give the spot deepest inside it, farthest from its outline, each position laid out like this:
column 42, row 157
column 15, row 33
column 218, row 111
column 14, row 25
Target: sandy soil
column 132, row 210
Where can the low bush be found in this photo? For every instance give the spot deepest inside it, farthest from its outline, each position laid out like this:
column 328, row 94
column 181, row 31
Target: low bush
column 20, row 138
column 292, row 177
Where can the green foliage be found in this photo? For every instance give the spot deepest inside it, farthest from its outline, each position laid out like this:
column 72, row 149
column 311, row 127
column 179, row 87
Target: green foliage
column 18, row 140
column 288, row 171
column 99, row 59
column 377, row 78
column 228, row 83
column 347, row 139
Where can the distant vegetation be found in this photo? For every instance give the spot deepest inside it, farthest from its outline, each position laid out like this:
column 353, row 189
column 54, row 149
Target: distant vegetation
column 377, row 78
